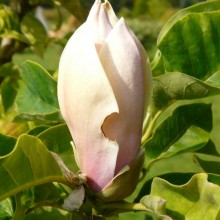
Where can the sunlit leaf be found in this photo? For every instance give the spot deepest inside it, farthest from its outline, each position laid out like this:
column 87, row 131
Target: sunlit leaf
column 163, row 141
column 175, row 86
column 174, row 178
column 188, row 41
column 198, row 199
column 157, row 205
column 57, row 139
column 29, row 164
column 6, row 209
column 40, row 82
column 37, row 96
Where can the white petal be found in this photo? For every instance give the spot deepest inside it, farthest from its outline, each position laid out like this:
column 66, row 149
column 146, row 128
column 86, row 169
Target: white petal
column 111, row 14
column 75, row 199
column 86, row 99
column 99, row 24
column 125, row 64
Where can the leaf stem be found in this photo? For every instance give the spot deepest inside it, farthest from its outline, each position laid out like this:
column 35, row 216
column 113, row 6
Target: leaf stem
column 19, row 212
column 149, row 129
column 59, row 179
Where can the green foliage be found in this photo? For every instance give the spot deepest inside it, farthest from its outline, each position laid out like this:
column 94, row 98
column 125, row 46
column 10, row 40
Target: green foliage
column 197, row 199
column 163, row 143
column 9, row 24
column 36, row 166
column 37, row 99
column 36, row 163
column 194, row 54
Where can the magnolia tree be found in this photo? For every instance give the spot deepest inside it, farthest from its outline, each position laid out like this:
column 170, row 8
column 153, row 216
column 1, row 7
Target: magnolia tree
column 99, row 138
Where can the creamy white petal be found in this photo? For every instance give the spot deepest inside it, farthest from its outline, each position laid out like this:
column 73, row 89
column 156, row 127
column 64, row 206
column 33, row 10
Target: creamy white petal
column 111, row 14
column 99, row 23
column 126, row 67
column 86, row 99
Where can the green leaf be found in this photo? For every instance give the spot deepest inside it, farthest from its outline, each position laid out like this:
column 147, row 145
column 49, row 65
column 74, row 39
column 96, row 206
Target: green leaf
column 209, row 149
column 156, row 205
column 47, row 118
column 187, row 42
column 174, row 178
column 29, row 164
column 9, row 24
column 9, row 69
column 214, row 80
column 162, row 143
column 210, row 164
column 171, row 87
column 37, row 96
column 6, row 209
column 57, row 139
column 49, row 213
column 7, row 144
column 195, row 138
column 9, row 88
column 35, row 33
column 40, row 82
column 198, row 199
column 37, row 130
column 30, row 102
column 47, row 192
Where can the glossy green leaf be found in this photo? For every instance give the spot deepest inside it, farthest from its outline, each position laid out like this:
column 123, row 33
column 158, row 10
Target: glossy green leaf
column 7, row 144
column 198, row 199
column 37, row 96
column 30, row 102
column 43, row 118
column 194, row 138
column 57, row 139
column 40, row 82
column 189, row 42
column 163, row 141
column 175, row 86
column 35, row 33
column 29, row 164
column 174, row 178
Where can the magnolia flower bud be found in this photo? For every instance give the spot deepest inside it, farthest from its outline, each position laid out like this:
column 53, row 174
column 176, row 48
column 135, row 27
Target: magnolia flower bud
column 104, row 86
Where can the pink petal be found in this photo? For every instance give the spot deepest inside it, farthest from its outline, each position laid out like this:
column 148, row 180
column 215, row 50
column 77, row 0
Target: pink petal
column 125, row 64
column 86, row 99
column 99, row 23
